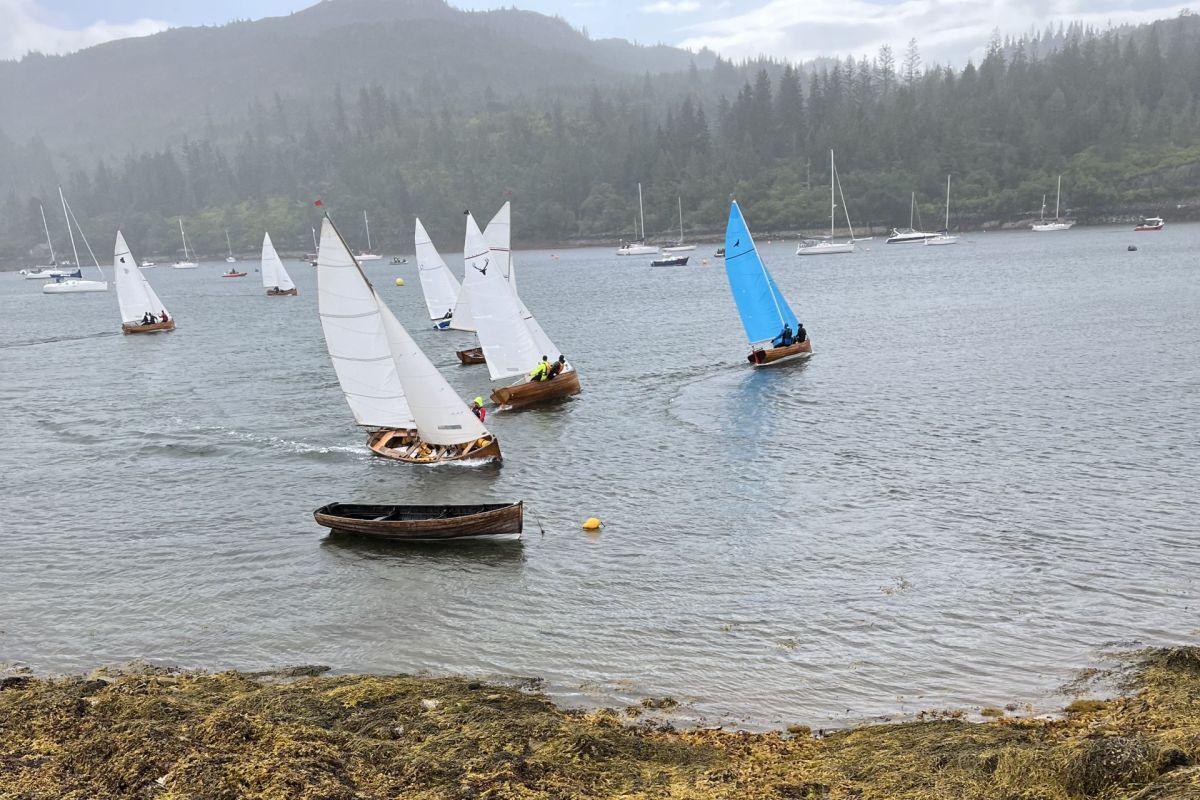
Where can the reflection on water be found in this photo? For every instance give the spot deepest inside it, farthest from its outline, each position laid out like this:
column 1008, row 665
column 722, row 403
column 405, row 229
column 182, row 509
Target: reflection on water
column 953, row 502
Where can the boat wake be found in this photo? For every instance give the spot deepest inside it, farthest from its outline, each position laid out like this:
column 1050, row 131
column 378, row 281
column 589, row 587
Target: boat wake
column 56, row 339
column 291, row 446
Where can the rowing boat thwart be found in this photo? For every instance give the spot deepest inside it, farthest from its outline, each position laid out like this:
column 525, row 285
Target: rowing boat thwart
column 425, row 523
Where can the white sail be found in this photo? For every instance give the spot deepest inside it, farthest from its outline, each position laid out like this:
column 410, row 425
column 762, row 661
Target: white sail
column 438, row 283
column 498, row 234
column 441, row 415
column 273, row 273
column 355, row 337
column 507, row 344
column 133, row 291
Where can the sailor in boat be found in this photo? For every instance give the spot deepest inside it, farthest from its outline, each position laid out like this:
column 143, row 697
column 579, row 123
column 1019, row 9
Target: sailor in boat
column 542, row 371
column 785, row 337
column 163, row 317
column 557, row 367
column 801, row 334
column 149, row 319
column 478, row 410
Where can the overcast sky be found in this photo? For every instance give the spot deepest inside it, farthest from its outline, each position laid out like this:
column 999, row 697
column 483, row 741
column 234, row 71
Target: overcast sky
column 948, row 31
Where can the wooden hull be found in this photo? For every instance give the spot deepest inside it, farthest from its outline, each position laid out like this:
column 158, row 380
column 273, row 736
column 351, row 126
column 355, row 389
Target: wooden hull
column 406, row 446
column 472, row 356
column 425, row 523
column 774, row 355
column 281, row 292
column 129, row 327
column 531, row 393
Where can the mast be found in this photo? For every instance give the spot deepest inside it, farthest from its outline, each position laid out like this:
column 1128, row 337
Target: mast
column 367, row 225
column 70, row 231
column 832, row 205
column 947, row 225
column 46, row 227
column 912, row 207
column 1057, row 197
column 83, row 236
column 183, row 236
column 228, row 244
column 1043, row 208
column 641, row 215
column 315, row 245
column 680, row 199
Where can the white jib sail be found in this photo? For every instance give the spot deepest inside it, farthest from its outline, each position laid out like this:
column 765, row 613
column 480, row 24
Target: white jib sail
column 442, row 417
column 508, row 346
column 273, row 273
column 133, row 291
column 498, row 234
column 438, row 283
column 355, row 338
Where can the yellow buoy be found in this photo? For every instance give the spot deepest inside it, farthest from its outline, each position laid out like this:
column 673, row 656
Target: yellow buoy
column 591, row 524
column 399, row 281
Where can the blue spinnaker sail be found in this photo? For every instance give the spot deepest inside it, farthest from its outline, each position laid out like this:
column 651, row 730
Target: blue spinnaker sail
column 762, row 308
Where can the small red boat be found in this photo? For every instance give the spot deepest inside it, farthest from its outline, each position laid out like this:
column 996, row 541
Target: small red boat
column 232, row 274
column 1151, row 224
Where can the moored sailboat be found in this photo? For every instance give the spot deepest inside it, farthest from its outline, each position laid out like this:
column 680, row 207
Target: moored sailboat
column 513, row 343
column 1058, row 224
column 639, row 246
column 438, row 284
column 909, row 235
column 73, row 285
column 229, row 259
column 275, row 278
column 391, row 387
column 368, row 254
column 679, row 246
column 186, row 262
column 141, row 310
column 944, row 236
column 828, row 247
column 764, row 311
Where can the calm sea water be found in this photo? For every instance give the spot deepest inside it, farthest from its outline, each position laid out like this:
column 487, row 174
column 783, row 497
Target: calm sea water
column 984, row 479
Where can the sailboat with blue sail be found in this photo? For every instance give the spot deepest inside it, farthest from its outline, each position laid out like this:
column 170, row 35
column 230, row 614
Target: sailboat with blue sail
column 774, row 332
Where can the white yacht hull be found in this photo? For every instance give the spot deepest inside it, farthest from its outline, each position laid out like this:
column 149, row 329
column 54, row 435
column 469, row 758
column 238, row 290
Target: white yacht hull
column 368, row 257
column 912, row 237
column 185, row 265
column 824, row 248
column 942, row 239
column 72, row 285
column 1046, row 227
column 637, row 250
column 683, row 248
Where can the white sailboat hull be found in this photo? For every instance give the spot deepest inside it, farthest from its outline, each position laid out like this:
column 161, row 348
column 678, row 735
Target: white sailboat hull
column 824, row 248
column 942, row 239
column 42, row 274
column 1045, row 227
column 637, row 250
column 368, row 257
column 69, row 286
column 185, row 265
column 909, row 237
column 683, row 248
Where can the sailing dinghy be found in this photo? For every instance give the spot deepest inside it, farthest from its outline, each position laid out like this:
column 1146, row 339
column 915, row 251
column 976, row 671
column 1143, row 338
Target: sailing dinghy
column 438, row 283
column 275, row 278
column 391, row 387
column 763, row 309
column 512, row 341
column 135, row 296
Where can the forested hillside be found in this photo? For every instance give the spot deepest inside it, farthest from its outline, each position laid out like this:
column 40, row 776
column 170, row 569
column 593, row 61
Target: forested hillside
column 448, row 110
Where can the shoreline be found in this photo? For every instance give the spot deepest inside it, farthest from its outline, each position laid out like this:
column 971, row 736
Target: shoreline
column 146, row 731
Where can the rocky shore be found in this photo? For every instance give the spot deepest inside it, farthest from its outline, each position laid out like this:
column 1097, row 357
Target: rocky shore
column 149, row 732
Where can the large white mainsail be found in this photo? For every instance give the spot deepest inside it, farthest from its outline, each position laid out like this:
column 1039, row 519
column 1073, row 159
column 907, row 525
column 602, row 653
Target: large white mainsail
column 438, row 283
column 134, row 294
column 355, row 337
column 508, row 345
column 274, row 276
column 441, row 415
column 498, row 234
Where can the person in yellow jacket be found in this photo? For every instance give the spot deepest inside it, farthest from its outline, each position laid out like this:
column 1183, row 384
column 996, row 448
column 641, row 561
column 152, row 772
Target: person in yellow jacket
column 542, row 371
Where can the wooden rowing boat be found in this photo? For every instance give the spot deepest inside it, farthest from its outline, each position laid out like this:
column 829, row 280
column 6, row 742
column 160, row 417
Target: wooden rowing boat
column 472, row 356
column 773, row 355
column 281, row 292
column 443, row 523
column 129, row 327
column 406, row 446
column 528, row 393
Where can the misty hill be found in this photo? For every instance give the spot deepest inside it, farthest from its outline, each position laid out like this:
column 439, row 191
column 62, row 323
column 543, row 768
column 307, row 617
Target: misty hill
column 146, row 91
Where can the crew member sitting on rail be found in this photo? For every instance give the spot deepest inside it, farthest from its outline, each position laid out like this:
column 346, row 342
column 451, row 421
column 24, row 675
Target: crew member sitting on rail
column 557, row 367
column 164, row 317
column 146, row 318
column 785, row 338
column 801, row 334
column 542, row 371
column 478, row 410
